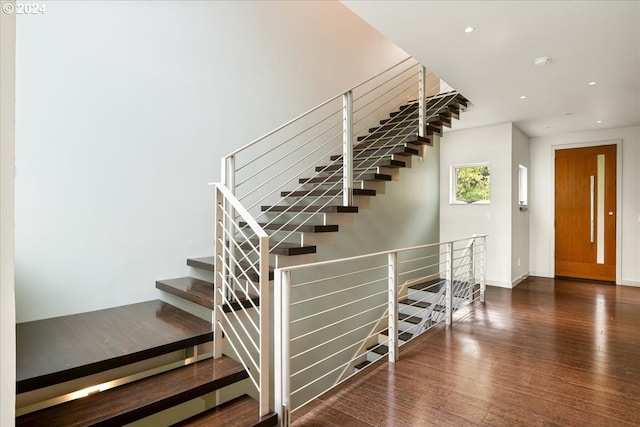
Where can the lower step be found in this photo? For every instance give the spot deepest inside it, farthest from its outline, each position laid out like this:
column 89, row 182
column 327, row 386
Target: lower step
column 240, row 412
column 139, row 399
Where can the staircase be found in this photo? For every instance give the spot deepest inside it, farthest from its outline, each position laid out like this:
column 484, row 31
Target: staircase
column 131, row 362
column 423, row 307
column 151, row 357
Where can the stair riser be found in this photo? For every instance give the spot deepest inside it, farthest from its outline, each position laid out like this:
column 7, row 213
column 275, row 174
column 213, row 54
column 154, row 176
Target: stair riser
column 406, row 326
column 412, row 310
column 383, row 339
column 372, row 357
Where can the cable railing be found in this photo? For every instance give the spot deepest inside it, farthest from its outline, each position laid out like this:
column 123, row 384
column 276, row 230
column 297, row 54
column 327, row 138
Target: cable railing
column 241, row 291
column 334, row 318
column 312, row 163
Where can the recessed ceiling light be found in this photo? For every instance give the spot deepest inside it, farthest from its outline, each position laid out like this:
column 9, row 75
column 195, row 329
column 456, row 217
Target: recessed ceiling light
column 599, row 121
column 542, row 61
column 592, row 83
column 469, row 30
column 523, row 96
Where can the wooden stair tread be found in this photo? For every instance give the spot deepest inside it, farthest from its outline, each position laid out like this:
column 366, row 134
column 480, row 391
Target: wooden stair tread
column 403, row 336
column 311, row 209
column 281, row 248
column 365, row 165
column 304, row 228
column 433, row 285
column 362, row 365
column 205, row 263
column 242, row 411
column 189, row 288
column 327, row 193
column 338, row 178
column 381, row 142
column 384, row 150
column 380, row 349
column 130, row 402
column 63, row 348
column 409, row 319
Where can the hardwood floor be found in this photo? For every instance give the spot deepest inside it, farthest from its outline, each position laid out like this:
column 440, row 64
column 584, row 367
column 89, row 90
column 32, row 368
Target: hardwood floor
column 547, row 353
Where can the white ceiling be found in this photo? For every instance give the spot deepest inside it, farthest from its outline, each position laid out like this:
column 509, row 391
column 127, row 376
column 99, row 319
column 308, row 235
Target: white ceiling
column 493, row 66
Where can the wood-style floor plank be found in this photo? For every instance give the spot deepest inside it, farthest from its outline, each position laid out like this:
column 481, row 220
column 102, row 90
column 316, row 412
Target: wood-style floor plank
column 547, row 353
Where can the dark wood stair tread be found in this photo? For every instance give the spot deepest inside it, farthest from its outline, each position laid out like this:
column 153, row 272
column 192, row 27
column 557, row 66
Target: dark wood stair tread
column 242, row 411
column 410, row 139
column 365, row 165
column 60, row 349
column 338, row 178
column 403, row 336
column 281, row 248
column 380, row 349
column 311, row 209
column 130, row 402
column 332, row 192
column 409, row 319
column 204, row 263
column 433, row 285
column 189, row 288
column 362, row 365
column 304, row 228
column 384, row 150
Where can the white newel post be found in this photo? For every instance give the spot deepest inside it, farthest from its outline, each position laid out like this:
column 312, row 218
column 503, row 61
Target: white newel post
column 393, row 306
column 347, row 149
column 448, row 283
column 218, row 272
column 264, row 325
column 228, row 180
column 281, row 339
column 422, row 100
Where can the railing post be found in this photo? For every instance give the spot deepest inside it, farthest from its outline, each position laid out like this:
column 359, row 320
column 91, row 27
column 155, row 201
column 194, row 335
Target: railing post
column 449, row 285
column 347, row 149
column 393, row 307
column 282, row 281
column 218, row 273
column 472, row 271
column 228, row 180
column 422, row 100
column 264, row 325
column 483, row 277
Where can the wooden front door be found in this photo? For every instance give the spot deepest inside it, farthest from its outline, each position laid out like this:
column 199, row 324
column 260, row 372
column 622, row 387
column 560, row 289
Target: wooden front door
column 585, row 213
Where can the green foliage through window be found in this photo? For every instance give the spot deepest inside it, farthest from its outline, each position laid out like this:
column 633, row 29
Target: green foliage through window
column 472, row 184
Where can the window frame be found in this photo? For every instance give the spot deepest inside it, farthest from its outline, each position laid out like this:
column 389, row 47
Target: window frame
column 453, row 183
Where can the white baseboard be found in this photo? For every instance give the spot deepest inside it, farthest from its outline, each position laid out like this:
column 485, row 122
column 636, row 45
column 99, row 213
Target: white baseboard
column 541, row 274
column 631, row 283
column 519, row 279
column 497, row 284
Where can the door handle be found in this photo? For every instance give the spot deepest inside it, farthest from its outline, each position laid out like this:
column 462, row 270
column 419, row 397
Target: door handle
column 592, row 181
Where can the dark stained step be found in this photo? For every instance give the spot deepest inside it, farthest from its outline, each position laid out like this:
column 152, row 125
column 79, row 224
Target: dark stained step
column 337, row 178
column 242, row 411
column 252, row 271
column 311, row 209
column 409, row 130
column 380, row 349
column 380, row 151
column 362, row 365
column 413, row 139
column 433, row 285
column 365, row 165
column 327, row 193
column 415, row 303
column 60, row 349
column 240, row 302
column 449, row 110
column 189, row 288
column 297, row 227
column 278, row 248
column 410, row 319
column 131, row 402
column 404, row 336
column 409, row 121
column 205, row 263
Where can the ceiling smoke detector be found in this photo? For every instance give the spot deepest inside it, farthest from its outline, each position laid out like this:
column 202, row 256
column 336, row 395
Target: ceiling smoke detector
column 542, row 61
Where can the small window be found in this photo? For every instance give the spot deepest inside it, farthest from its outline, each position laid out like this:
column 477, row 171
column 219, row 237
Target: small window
column 523, row 186
column 470, row 184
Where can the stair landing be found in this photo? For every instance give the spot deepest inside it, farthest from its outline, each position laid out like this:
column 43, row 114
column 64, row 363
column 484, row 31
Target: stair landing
column 60, row 349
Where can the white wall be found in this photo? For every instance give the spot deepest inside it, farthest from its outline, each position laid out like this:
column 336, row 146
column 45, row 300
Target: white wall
column 519, row 219
column 491, row 144
column 7, row 155
column 124, row 110
column 541, row 198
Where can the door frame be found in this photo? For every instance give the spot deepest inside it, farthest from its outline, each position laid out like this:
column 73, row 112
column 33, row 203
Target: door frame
column 552, row 249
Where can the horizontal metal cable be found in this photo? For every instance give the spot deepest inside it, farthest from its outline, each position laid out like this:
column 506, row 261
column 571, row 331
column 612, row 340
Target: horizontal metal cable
column 339, row 306
column 339, row 291
column 340, row 276
column 339, row 321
